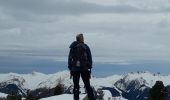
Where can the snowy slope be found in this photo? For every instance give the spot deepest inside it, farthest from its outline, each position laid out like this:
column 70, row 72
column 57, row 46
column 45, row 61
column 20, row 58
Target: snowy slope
column 107, row 96
column 146, row 78
column 3, row 95
column 37, row 80
column 119, row 85
column 63, row 97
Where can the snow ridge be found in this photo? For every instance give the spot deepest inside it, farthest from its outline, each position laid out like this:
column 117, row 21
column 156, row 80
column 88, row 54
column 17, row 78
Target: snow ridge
column 116, row 85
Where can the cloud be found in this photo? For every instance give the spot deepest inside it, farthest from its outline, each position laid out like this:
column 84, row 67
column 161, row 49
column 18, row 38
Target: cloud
column 24, row 9
column 130, row 31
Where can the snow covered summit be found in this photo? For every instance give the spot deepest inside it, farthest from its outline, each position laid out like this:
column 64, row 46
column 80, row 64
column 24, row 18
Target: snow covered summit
column 134, row 85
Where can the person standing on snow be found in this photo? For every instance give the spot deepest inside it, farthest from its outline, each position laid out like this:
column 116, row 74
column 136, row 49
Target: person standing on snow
column 80, row 64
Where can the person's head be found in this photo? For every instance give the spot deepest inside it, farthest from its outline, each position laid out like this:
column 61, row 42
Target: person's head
column 80, row 37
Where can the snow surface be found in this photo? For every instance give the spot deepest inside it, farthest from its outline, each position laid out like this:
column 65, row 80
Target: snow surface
column 3, row 95
column 148, row 78
column 37, row 80
column 63, row 97
column 107, row 96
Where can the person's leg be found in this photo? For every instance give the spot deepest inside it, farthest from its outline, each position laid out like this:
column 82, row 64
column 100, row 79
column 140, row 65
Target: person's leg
column 86, row 79
column 76, row 78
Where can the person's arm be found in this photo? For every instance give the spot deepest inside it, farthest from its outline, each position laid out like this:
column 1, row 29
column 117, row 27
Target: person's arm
column 69, row 63
column 69, row 59
column 89, row 56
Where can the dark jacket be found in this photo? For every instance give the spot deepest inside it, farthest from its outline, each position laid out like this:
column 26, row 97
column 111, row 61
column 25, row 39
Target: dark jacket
column 73, row 68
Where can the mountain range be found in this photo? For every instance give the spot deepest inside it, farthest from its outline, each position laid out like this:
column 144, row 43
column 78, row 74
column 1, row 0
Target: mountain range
column 131, row 86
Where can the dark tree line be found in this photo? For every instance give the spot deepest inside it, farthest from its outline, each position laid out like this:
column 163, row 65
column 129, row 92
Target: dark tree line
column 158, row 92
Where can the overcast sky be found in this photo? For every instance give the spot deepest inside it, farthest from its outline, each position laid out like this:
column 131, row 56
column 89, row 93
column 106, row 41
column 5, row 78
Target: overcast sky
column 117, row 31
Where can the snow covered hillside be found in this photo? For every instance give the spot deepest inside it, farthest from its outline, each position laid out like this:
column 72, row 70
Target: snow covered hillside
column 134, row 85
column 107, row 96
column 3, row 95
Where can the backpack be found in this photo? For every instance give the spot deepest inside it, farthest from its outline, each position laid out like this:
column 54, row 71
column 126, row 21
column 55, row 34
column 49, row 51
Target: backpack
column 79, row 56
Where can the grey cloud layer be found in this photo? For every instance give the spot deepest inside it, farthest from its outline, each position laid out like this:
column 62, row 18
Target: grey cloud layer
column 41, row 27
column 23, row 8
